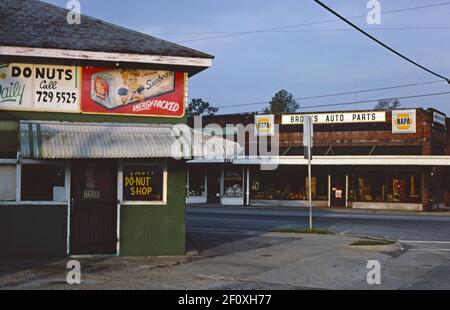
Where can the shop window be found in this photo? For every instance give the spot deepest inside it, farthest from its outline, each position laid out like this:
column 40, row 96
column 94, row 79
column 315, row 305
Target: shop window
column 375, row 186
column 196, row 182
column 7, row 182
column 370, row 186
column 280, row 184
column 404, row 187
column 233, row 182
column 143, row 182
column 319, row 186
column 42, row 183
column 438, row 184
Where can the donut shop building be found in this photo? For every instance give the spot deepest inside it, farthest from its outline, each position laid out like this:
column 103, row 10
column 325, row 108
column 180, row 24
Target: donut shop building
column 86, row 115
column 397, row 160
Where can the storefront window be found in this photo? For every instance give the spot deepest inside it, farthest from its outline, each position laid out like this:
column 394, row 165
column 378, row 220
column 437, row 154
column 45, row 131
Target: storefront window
column 42, row 183
column 319, row 185
column 288, row 183
column 143, row 182
column 370, row 186
column 377, row 186
column 404, row 187
column 196, row 182
column 7, row 182
column 233, row 182
column 438, row 183
column 281, row 184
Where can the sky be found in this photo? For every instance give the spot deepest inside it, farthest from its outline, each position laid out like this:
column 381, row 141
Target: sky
column 325, row 58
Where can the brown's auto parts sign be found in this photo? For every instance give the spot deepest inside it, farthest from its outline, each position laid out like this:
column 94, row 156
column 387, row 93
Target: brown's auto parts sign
column 336, row 117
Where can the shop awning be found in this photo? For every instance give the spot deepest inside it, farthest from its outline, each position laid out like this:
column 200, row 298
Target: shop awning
column 61, row 140
column 351, row 160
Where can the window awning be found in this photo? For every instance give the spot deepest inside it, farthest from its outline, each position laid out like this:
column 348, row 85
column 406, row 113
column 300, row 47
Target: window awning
column 61, row 140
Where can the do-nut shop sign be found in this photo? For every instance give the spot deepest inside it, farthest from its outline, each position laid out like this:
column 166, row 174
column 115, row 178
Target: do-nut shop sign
column 133, row 92
column 47, row 88
column 336, row 118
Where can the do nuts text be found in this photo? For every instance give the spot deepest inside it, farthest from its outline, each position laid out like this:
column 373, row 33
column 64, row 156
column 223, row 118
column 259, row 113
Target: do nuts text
column 42, row 73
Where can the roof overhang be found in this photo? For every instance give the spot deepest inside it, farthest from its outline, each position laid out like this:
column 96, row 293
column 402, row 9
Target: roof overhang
column 386, row 160
column 66, row 140
column 191, row 65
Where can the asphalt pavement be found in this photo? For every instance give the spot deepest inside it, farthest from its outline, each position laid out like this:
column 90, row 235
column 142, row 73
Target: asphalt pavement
column 208, row 227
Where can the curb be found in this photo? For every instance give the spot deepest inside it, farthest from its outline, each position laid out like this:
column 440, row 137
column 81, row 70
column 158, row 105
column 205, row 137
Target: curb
column 440, row 213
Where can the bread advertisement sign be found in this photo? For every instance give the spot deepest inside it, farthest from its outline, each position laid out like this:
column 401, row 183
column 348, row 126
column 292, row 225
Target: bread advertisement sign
column 133, row 92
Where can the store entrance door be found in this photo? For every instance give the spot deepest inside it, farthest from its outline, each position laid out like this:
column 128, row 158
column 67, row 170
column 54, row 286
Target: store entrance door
column 337, row 190
column 93, row 207
column 213, row 186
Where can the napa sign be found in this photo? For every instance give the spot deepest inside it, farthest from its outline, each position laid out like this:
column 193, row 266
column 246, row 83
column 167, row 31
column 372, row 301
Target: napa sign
column 264, row 125
column 404, row 121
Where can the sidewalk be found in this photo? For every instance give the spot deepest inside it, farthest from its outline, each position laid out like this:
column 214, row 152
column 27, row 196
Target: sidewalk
column 269, row 261
column 441, row 212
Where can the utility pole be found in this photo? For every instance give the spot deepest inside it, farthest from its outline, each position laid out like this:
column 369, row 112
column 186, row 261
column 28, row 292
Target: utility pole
column 307, row 146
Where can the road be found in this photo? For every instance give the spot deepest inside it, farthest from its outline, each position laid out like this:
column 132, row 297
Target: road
column 237, row 251
column 208, row 227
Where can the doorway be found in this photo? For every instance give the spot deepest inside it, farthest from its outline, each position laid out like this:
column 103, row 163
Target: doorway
column 93, row 228
column 338, row 190
column 213, row 180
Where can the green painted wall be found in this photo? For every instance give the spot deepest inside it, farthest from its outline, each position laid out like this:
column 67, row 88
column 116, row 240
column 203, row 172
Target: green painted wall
column 9, row 138
column 157, row 229
column 145, row 230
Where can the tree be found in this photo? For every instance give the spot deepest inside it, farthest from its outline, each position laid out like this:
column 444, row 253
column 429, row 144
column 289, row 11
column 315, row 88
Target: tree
column 200, row 107
column 282, row 102
column 388, row 104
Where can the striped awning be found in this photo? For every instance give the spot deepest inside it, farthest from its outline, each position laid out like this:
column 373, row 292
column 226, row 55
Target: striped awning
column 61, row 140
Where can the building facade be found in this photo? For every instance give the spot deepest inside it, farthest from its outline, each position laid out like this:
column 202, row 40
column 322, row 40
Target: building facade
column 361, row 159
column 86, row 114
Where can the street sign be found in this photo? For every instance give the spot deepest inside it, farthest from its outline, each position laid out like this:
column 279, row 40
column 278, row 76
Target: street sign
column 308, row 134
column 308, row 144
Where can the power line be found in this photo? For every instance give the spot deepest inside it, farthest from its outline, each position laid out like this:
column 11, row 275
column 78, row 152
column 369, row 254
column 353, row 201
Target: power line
column 414, row 28
column 381, row 43
column 309, row 24
column 336, row 94
column 354, row 102
column 373, row 100
column 363, row 101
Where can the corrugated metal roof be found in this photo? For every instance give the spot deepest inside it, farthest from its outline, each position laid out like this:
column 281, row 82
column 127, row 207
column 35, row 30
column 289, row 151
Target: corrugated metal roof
column 59, row 140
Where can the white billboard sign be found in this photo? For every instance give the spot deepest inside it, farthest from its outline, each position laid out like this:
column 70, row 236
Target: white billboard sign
column 336, row 118
column 45, row 88
column 439, row 118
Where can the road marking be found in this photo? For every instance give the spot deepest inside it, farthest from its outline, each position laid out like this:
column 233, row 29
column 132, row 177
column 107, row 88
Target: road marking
column 445, row 250
column 236, row 220
column 424, row 241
